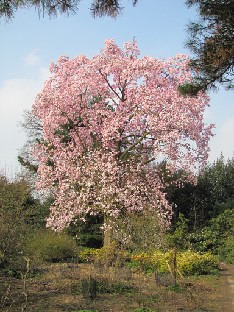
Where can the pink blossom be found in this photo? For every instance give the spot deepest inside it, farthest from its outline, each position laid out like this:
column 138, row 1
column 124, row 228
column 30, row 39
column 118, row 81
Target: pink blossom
column 107, row 121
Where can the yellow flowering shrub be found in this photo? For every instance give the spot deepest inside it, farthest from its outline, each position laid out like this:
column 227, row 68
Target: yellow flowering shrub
column 187, row 262
column 192, row 263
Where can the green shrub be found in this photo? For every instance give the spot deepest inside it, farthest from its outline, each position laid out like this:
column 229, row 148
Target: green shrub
column 87, row 255
column 139, row 231
column 111, row 255
column 50, row 246
column 178, row 238
column 88, row 233
column 217, row 237
column 89, row 288
column 207, row 239
column 226, row 249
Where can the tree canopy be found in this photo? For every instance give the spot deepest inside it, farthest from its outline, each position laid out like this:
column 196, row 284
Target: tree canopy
column 211, row 39
column 54, row 7
column 106, row 122
column 211, row 195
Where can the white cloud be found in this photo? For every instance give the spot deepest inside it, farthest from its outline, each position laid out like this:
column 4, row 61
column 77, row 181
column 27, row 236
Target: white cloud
column 32, row 58
column 16, row 96
column 223, row 141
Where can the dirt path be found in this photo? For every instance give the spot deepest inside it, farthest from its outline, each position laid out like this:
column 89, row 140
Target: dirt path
column 227, row 289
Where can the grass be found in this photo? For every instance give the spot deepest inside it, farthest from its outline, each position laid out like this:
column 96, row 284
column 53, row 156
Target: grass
column 58, row 289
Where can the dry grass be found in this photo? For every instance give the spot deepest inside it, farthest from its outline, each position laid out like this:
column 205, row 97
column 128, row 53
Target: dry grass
column 58, row 289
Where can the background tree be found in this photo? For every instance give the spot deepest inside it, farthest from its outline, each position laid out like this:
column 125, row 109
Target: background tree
column 20, row 214
column 34, row 131
column 87, row 232
column 106, row 122
column 203, row 218
column 53, row 7
column 208, row 198
column 211, row 40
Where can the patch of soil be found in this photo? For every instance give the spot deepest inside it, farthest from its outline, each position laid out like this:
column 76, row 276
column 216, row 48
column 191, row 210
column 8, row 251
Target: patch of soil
column 226, row 299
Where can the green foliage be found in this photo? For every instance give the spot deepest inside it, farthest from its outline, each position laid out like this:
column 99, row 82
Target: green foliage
column 211, row 195
column 88, row 233
column 204, row 214
column 16, row 208
column 216, row 184
column 178, row 238
column 142, row 261
column 104, row 286
column 217, row 237
column 176, row 288
column 189, row 89
column 211, row 41
column 87, row 255
column 203, row 240
column 20, row 215
column 101, row 286
column 111, row 255
column 50, row 246
column 89, row 288
column 139, row 231
column 225, row 250
column 53, row 8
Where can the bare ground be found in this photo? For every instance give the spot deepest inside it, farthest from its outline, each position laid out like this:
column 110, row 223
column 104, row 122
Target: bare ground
column 226, row 301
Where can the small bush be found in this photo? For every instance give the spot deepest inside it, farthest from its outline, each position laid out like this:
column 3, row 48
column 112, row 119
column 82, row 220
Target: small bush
column 205, row 240
column 105, row 286
column 217, row 237
column 87, row 255
column 226, row 249
column 111, row 255
column 89, row 288
column 51, row 247
column 178, row 238
column 142, row 261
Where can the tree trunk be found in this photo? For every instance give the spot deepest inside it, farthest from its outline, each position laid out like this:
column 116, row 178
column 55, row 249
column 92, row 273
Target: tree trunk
column 108, row 233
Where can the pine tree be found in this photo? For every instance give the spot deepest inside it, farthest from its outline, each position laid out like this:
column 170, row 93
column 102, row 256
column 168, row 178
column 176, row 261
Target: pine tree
column 51, row 8
column 211, row 39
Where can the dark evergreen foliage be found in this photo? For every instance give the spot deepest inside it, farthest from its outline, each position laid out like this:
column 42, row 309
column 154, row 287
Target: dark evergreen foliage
column 211, row 39
column 88, row 232
column 212, row 195
column 54, row 7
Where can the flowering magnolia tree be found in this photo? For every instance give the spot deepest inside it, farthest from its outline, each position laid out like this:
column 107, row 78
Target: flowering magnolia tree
column 107, row 122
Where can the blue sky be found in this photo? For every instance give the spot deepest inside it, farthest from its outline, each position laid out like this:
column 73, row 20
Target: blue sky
column 28, row 44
